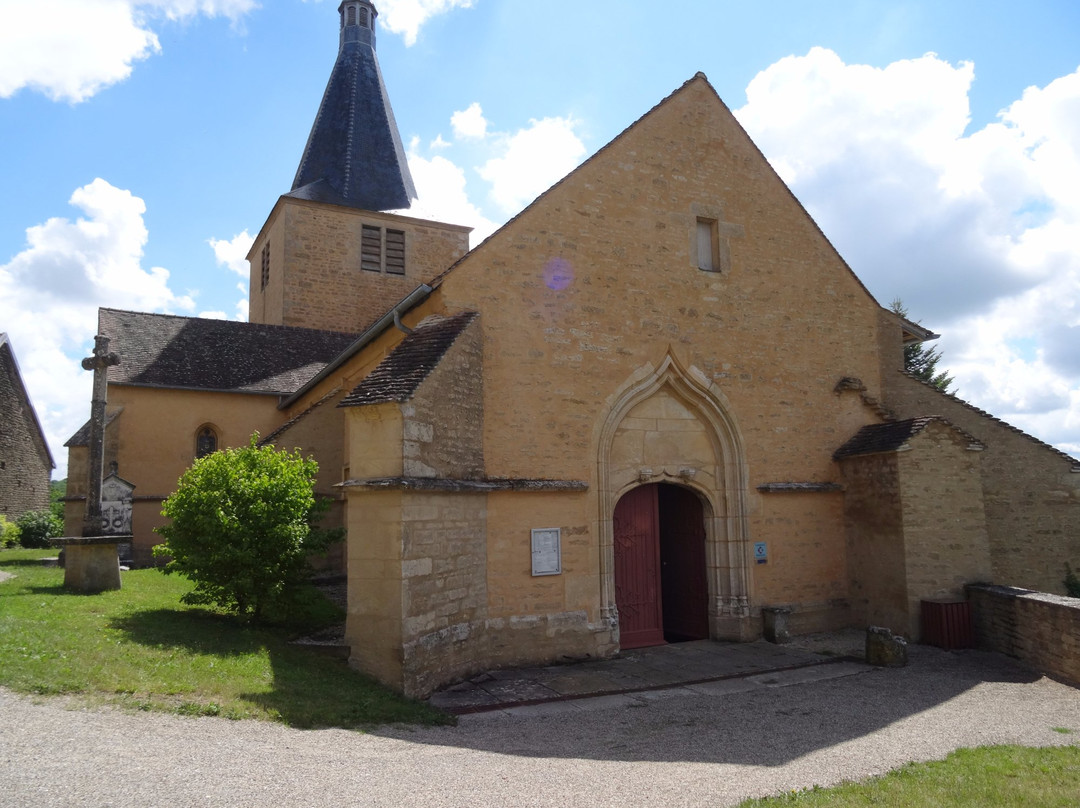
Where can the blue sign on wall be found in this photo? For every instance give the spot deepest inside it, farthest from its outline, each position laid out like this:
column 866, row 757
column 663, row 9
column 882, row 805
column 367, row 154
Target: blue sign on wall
column 761, row 554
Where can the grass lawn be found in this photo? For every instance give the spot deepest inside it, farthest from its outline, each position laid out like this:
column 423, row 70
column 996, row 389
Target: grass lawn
column 139, row 647
column 998, row 776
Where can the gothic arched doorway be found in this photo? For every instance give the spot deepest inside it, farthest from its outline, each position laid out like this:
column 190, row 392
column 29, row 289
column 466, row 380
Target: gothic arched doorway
column 661, row 589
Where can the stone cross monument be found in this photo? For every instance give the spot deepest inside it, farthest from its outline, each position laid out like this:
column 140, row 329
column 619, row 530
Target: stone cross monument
column 91, row 562
column 100, row 363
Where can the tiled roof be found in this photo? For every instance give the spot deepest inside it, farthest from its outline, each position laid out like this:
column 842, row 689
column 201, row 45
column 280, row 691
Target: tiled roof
column 82, row 436
column 401, row 372
column 354, row 155
column 270, row 439
column 891, row 437
column 163, row 350
column 990, row 417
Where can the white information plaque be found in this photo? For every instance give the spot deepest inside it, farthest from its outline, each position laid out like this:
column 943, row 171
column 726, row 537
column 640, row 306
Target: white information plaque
column 546, row 551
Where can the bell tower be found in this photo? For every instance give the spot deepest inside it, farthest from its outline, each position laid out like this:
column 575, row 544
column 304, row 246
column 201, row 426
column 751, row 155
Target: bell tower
column 337, row 250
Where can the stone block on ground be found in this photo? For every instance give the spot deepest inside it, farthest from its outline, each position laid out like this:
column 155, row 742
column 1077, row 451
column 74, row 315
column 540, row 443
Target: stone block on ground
column 884, row 649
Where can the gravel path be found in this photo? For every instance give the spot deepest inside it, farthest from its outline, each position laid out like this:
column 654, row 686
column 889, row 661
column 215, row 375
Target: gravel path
column 747, row 738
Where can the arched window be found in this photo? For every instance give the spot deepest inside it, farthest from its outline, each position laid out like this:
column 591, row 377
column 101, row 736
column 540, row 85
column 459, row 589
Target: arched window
column 205, row 442
column 350, row 15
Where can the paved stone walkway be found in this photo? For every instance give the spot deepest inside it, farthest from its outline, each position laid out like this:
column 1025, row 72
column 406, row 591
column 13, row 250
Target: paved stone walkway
column 700, row 666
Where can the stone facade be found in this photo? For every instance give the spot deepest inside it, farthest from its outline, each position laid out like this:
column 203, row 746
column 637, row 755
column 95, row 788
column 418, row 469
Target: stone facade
column 25, row 462
column 1042, row 630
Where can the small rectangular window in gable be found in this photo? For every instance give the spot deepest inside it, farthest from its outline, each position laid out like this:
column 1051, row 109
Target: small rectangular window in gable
column 265, row 265
column 708, row 247
column 371, row 248
column 395, row 252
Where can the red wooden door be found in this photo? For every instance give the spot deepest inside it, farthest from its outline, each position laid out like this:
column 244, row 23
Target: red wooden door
column 685, row 588
column 637, row 568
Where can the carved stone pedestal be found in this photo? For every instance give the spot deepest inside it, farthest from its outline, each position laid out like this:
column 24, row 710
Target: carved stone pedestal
column 91, row 563
column 776, row 624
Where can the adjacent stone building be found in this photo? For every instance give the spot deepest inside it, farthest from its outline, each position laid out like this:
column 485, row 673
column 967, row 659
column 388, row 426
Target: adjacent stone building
column 652, row 404
column 25, row 461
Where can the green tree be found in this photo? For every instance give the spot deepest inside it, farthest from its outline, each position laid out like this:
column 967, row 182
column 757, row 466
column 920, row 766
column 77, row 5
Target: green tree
column 37, row 527
column 920, row 361
column 57, row 492
column 242, row 529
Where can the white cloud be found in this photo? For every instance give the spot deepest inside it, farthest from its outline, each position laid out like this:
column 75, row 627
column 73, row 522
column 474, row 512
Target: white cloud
column 99, row 41
column 440, row 186
column 405, row 17
column 232, row 253
column 977, row 232
column 469, row 123
column 233, row 10
column 50, row 293
column 532, row 160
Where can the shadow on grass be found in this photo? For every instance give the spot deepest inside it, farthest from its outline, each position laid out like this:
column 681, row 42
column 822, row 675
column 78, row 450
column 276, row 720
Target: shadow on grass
column 314, row 692
column 308, row 690
column 60, row 590
column 22, row 562
column 194, row 630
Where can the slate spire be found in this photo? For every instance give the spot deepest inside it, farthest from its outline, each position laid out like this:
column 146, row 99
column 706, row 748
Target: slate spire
column 354, row 155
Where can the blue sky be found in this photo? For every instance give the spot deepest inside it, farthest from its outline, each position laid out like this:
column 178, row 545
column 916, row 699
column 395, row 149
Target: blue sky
column 936, row 143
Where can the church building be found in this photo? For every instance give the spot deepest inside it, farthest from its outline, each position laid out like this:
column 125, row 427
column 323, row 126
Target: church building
column 654, row 403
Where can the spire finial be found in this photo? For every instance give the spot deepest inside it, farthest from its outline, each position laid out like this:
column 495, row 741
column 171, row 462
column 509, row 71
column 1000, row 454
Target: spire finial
column 358, row 22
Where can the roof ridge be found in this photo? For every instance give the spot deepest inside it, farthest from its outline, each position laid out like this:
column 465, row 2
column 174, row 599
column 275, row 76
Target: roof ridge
column 278, row 326
column 699, row 76
column 990, row 416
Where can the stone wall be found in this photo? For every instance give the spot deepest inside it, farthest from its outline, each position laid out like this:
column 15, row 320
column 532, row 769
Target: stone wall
column 875, row 540
column 1040, row 629
column 1031, row 492
column 443, row 423
column 25, row 466
column 945, row 533
column 316, row 280
column 441, row 586
column 916, row 526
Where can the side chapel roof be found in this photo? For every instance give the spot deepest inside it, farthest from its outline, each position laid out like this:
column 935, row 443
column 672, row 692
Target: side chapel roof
column 893, row 436
column 163, row 350
column 404, row 368
column 9, row 365
column 354, row 155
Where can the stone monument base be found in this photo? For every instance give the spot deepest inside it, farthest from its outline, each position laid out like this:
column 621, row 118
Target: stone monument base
column 91, row 563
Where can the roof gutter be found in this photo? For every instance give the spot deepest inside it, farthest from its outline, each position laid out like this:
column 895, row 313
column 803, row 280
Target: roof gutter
column 392, row 317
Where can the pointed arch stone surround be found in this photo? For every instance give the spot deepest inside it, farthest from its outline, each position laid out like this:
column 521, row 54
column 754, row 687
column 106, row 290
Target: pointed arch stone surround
column 668, row 423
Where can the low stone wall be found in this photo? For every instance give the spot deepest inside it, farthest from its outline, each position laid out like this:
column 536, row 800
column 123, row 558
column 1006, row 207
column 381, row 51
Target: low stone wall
column 1040, row 629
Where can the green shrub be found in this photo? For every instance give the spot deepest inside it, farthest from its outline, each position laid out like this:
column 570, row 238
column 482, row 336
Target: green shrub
column 9, row 533
column 1072, row 583
column 37, row 527
column 242, row 530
